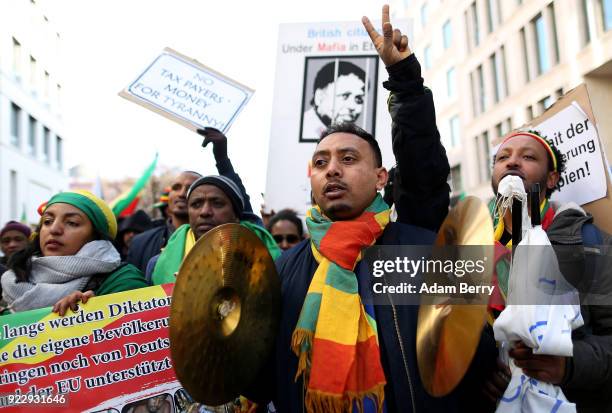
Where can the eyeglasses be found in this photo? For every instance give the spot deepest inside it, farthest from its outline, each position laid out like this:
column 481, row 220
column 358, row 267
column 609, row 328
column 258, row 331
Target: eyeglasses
column 290, row 238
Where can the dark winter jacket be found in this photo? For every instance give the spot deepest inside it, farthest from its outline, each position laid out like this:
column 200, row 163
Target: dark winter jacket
column 421, row 197
column 588, row 376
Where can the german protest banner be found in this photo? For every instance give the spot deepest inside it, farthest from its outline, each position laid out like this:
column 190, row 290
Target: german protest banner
column 187, row 92
column 584, row 178
column 325, row 73
column 111, row 355
column 569, row 124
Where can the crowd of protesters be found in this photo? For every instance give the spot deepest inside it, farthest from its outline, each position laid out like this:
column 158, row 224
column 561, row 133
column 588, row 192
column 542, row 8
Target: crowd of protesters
column 79, row 250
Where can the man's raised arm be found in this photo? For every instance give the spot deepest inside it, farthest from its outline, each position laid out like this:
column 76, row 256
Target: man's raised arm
column 421, row 192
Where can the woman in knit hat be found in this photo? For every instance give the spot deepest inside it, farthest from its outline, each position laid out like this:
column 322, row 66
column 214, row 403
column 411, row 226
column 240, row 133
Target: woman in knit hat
column 71, row 257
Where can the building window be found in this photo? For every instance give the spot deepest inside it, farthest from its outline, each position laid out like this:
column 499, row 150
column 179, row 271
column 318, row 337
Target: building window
column 502, row 128
column 447, row 34
column 424, row 14
column 15, row 125
column 58, row 152
column 32, row 135
column 17, row 58
column 13, row 192
column 525, row 55
column 498, row 69
column 46, row 144
column 489, row 6
column 529, row 113
column 47, row 84
column 606, row 13
column 455, row 131
column 478, row 91
column 541, row 44
column 483, row 155
column 545, row 103
column 427, row 57
column 475, row 25
column 450, row 82
column 586, row 22
column 545, row 30
column 32, row 71
column 456, row 183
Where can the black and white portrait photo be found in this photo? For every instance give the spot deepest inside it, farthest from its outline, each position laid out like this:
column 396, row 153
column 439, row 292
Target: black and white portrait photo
column 338, row 89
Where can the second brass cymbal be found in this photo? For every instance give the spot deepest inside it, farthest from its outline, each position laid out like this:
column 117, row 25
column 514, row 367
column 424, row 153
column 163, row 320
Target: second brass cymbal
column 448, row 334
column 224, row 314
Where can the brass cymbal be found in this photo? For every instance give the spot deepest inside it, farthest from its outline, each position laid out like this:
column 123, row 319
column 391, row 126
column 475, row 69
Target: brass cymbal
column 224, row 314
column 448, row 333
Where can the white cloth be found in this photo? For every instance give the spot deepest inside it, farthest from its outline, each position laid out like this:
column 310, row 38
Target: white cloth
column 53, row 278
column 542, row 310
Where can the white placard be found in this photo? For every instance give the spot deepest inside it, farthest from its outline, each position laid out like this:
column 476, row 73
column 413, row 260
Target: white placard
column 584, row 179
column 316, row 61
column 184, row 90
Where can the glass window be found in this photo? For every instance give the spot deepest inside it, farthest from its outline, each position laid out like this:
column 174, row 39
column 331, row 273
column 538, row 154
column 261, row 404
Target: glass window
column 424, row 14
column 16, row 57
column 541, row 44
column 455, row 131
column 483, row 154
column 545, row 103
column 58, row 152
column 489, row 6
column 456, row 182
column 46, row 144
column 525, row 55
column 427, row 57
column 606, row 10
column 586, row 25
column 475, row 28
column 47, row 83
column 450, row 82
column 15, row 124
column 32, row 135
column 481, row 89
column 32, row 71
column 447, row 34
column 496, row 61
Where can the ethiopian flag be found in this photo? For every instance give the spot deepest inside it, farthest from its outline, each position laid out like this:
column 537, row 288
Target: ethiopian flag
column 126, row 203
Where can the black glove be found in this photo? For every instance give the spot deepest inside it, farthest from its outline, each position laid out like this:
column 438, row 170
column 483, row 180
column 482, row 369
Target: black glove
column 218, row 140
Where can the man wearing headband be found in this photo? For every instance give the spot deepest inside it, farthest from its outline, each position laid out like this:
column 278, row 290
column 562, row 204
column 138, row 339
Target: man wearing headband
column 583, row 377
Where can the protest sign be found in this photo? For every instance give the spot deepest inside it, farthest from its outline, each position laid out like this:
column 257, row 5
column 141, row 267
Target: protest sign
column 569, row 125
column 187, row 92
column 325, row 72
column 113, row 354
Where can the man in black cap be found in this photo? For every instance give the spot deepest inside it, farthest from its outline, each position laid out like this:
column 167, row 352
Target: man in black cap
column 211, row 201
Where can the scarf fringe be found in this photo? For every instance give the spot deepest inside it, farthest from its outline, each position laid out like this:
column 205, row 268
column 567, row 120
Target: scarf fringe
column 300, row 338
column 317, row 401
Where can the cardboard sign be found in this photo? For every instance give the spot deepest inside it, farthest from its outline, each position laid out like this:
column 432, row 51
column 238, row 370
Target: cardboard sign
column 325, row 72
column 112, row 355
column 187, row 92
column 569, row 124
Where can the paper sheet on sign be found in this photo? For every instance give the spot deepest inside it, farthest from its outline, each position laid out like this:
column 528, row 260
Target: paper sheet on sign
column 187, row 92
column 573, row 133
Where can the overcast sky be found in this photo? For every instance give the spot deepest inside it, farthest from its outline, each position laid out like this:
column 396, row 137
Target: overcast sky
column 106, row 44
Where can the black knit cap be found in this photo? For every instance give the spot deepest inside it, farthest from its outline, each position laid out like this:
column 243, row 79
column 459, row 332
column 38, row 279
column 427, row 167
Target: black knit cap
column 228, row 187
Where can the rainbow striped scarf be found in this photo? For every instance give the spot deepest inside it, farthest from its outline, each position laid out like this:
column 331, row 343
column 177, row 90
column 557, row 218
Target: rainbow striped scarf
column 335, row 339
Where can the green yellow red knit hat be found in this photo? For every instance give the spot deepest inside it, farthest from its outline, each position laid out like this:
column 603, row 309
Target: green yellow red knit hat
column 98, row 212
